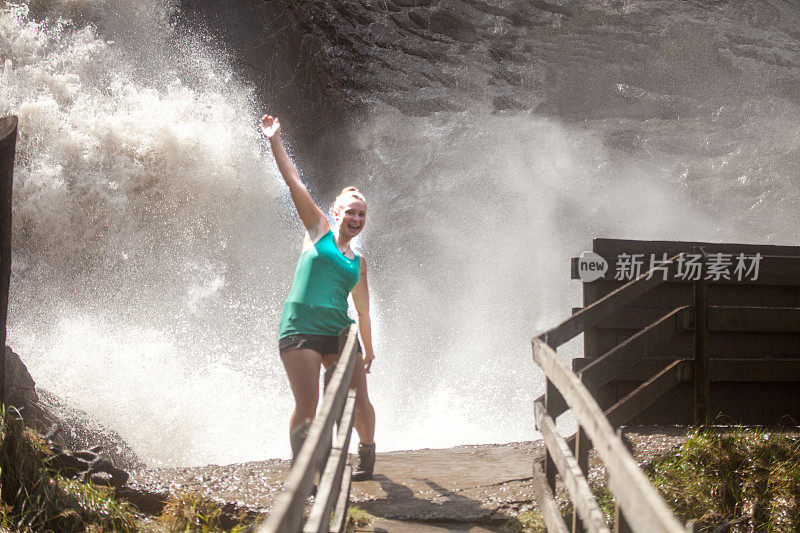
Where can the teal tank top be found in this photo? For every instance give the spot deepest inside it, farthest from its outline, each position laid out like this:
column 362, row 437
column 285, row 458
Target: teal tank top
column 317, row 302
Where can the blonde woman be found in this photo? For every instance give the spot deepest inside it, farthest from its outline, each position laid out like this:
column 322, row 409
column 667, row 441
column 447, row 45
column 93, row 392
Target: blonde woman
column 315, row 312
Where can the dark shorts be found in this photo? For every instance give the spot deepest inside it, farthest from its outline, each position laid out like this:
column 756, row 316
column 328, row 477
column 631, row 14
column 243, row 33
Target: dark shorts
column 322, row 344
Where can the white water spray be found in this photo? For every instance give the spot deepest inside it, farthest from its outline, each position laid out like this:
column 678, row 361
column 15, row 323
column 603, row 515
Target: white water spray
column 154, row 244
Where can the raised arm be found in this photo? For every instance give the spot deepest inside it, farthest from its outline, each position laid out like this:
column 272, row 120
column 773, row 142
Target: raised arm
column 310, row 214
column 361, row 301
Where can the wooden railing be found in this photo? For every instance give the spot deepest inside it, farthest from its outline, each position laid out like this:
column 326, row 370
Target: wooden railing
column 639, row 506
column 317, row 454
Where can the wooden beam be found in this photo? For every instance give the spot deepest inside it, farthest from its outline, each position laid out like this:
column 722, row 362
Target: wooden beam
column 748, row 319
column 571, row 474
column 775, row 270
column 610, row 365
column 287, row 514
column 702, row 394
column 339, row 520
column 646, row 394
column 588, row 316
column 751, row 370
column 547, row 503
column 613, row 247
column 629, row 318
column 8, row 143
column 642, row 505
column 331, row 481
column 720, row 318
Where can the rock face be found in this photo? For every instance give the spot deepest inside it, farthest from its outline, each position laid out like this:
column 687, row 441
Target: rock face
column 20, row 387
column 652, row 79
column 42, row 409
column 573, row 59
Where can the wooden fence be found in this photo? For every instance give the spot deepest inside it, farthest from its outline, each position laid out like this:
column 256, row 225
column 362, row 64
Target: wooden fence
column 639, row 506
column 753, row 340
column 646, row 338
column 317, row 455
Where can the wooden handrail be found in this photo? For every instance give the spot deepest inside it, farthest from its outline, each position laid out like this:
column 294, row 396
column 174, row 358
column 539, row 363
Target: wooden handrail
column 287, row 515
column 331, row 479
column 588, row 316
column 642, row 506
column 570, row 472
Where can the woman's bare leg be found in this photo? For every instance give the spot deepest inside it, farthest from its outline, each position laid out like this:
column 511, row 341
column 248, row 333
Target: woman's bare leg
column 302, row 369
column 365, row 413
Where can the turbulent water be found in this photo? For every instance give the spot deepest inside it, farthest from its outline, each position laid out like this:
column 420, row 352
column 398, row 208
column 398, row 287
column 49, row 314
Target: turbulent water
column 154, row 242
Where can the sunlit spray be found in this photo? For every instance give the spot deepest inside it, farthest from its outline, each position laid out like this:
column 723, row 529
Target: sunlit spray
column 154, row 242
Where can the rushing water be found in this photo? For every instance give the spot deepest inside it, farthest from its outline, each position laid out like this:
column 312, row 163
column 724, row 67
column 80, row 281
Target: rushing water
column 154, row 242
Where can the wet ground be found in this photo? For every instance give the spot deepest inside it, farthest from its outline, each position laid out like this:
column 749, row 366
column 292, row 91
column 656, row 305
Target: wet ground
column 466, row 488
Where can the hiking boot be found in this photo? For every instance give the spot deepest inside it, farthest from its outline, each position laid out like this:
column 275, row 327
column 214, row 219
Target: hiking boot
column 365, row 463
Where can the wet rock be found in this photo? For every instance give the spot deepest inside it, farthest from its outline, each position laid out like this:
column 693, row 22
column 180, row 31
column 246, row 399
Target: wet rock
column 42, row 409
column 20, row 387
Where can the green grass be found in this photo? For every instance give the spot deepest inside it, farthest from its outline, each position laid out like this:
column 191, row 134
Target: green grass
column 36, row 499
column 748, row 477
column 357, row 517
column 191, row 511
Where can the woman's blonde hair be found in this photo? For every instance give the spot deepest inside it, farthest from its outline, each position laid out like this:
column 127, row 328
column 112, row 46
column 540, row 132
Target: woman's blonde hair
column 348, row 191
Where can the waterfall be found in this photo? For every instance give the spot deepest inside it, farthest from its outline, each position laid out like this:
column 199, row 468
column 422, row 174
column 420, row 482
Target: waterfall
column 154, row 241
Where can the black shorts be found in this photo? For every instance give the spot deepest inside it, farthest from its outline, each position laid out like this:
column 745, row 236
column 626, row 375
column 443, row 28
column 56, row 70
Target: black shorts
column 322, row 344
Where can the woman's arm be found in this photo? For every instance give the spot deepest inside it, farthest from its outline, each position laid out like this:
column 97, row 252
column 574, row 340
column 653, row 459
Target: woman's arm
column 361, row 301
column 310, row 214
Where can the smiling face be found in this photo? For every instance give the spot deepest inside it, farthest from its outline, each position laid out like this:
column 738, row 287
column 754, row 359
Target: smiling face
column 350, row 213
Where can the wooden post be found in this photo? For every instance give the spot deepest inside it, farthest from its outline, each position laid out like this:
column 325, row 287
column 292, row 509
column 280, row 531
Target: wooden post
column 551, row 397
column 702, row 394
column 8, row 143
column 620, row 524
column 581, row 452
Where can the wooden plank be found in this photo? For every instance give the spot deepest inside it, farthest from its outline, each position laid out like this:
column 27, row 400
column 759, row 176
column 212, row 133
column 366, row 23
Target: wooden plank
column 339, row 520
column 552, row 400
column 772, row 270
column 646, row 394
column 702, row 393
column 330, row 483
column 602, row 246
column 720, row 369
column 720, row 318
column 8, row 143
column 287, row 514
column 642, row 505
column 587, row 316
column 581, row 446
column 547, row 504
column 628, row 317
column 571, row 474
column 607, row 367
column 748, row 319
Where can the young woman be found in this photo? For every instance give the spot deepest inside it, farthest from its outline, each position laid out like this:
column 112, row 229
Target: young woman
column 316, row 310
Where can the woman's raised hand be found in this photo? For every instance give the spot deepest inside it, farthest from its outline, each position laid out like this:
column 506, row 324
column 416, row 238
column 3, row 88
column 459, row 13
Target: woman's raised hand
column 270, row 126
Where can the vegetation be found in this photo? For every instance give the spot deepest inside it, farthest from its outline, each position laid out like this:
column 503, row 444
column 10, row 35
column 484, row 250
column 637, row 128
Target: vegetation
column 357, row 517
column 747, row 479
column 741, row 480
column 191, row 511
column 36, row 499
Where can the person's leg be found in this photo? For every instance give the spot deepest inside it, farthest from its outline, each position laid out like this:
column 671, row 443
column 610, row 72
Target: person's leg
column 302, row 369
column 364, row 419
column 365, row 413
